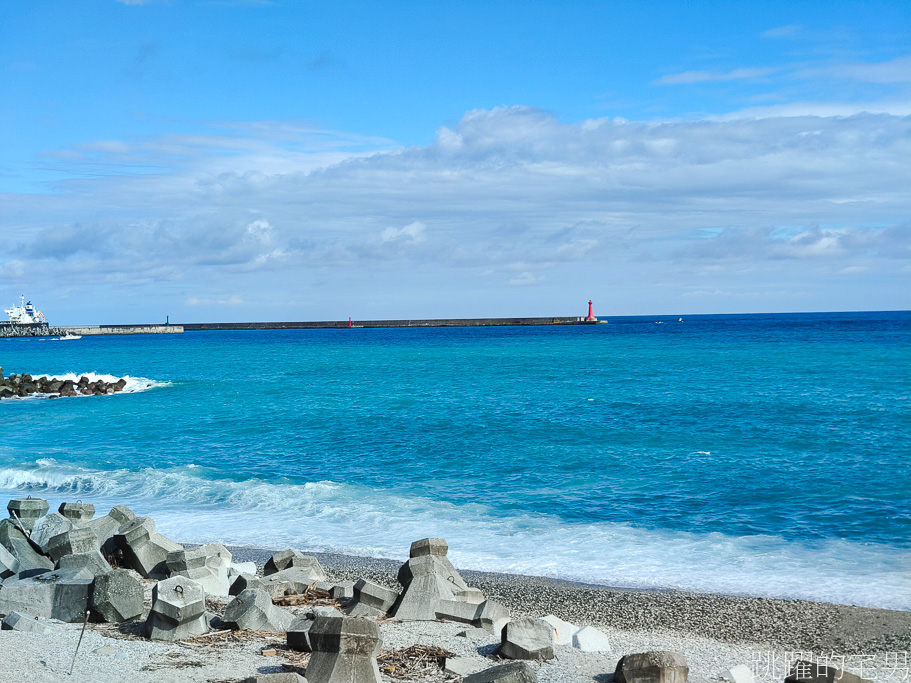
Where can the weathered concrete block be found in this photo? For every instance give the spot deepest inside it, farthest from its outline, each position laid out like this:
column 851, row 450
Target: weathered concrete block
column 31, row 559
column 493, row 616
column 344, row 650
column 27, row 510
column 107, row 526
column 62, row 594
column 298, row 634
column 590, row 639
column 421, row 600
column 76, row 540
column 803, row 671
column 245, row 581
column 93, row 561
column 460, row 666
column 656, row 666
column 19, row 621
column 563, row 630
column 184, row 560
column 290, row 581
column 117, row 596
column 144, row 549
column 429, row 546
column 470, row 595
column 342, row 591
column 372, row 595
column 253, row 610
column 527, row 638
column 238, row 568
column 78, row 513
column 47, row 527
column 294, row 558
column 740, row 673
column 511, row 672
column 9, row 565
column 178, row 610
column 453, row 610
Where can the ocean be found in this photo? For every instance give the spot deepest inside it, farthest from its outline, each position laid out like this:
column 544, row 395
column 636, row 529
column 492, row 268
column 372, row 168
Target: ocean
column 763, row 455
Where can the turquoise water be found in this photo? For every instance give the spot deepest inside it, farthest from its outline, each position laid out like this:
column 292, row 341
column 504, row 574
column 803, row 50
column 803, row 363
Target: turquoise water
column 759, row 454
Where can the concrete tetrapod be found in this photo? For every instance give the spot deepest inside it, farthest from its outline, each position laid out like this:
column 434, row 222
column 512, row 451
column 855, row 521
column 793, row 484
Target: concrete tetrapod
column 107, row 526
column 78, row 513
column 204, row 565
column 656, row 666
column 19, row 621
column 527, row 638
column 294, row 558
column 117, row 596
column 27, row 510
column 178, row 610
column 62, row 594
column 344, row 650
column 371, row 600
column 31, row 560
column 76, row 540
column 252, row 610
column 143, row 549
column 9, row 565
column 93, row 561
column 47, row 527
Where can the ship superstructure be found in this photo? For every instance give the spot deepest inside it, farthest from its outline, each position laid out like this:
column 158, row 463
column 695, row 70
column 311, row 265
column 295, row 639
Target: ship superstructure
column 25, row 313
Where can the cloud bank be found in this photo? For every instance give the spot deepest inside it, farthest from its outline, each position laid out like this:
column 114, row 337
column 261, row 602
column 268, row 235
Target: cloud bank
column 503, row 198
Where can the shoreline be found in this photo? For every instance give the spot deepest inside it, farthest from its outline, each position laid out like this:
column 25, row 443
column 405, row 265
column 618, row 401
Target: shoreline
column 777, row 623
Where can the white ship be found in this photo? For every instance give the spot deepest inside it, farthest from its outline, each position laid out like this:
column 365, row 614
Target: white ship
column 24, row 313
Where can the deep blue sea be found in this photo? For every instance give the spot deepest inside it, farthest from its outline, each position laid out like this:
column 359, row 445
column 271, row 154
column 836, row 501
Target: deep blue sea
column 743, row 454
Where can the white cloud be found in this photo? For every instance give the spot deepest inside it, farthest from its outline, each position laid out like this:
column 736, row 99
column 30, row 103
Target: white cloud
column 512, row 192
column 787, row 31
column 893, row 71
column 413, row 232
column 688, row 77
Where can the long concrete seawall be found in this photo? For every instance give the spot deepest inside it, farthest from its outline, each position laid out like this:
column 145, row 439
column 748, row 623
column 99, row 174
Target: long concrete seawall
column 43, row 330
column 343, row 324
column 8, row 330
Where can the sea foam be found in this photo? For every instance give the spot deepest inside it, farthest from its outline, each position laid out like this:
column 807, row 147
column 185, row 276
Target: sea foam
column 335, row 517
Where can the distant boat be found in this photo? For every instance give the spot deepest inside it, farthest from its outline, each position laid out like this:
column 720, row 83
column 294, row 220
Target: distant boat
column 69, row 337
column 24, row 313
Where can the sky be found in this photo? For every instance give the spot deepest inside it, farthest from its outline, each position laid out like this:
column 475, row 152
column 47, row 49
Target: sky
column 257, row 160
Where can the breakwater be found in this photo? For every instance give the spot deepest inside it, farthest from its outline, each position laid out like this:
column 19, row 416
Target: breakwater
column 9, row 330
column 435, row 322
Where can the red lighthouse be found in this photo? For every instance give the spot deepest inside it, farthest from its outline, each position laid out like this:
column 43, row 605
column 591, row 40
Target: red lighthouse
column 591, row 316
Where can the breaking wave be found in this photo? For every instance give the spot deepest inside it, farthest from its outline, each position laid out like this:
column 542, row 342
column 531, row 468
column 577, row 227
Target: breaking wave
column 335, row 517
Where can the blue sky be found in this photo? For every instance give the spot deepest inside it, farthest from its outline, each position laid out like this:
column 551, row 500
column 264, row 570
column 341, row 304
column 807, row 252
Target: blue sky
column 254, row 160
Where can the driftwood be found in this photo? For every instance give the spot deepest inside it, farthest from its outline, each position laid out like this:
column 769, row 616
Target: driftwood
column 412, row 663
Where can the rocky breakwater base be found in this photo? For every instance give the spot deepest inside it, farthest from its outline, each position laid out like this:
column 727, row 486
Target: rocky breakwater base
column 21, row 386
column 109, row 598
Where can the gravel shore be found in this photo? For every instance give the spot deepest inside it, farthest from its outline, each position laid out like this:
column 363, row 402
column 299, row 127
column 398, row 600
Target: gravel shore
column 712, row 632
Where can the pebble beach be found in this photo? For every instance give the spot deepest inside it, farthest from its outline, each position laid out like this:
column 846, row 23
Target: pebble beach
column 713, row 633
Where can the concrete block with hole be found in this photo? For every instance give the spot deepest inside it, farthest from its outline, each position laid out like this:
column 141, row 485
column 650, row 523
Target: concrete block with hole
column 178, row 610
column 27, row 510
column 78, row 513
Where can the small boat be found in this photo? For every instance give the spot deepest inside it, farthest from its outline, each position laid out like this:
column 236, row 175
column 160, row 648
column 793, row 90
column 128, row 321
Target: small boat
column 69, row 337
